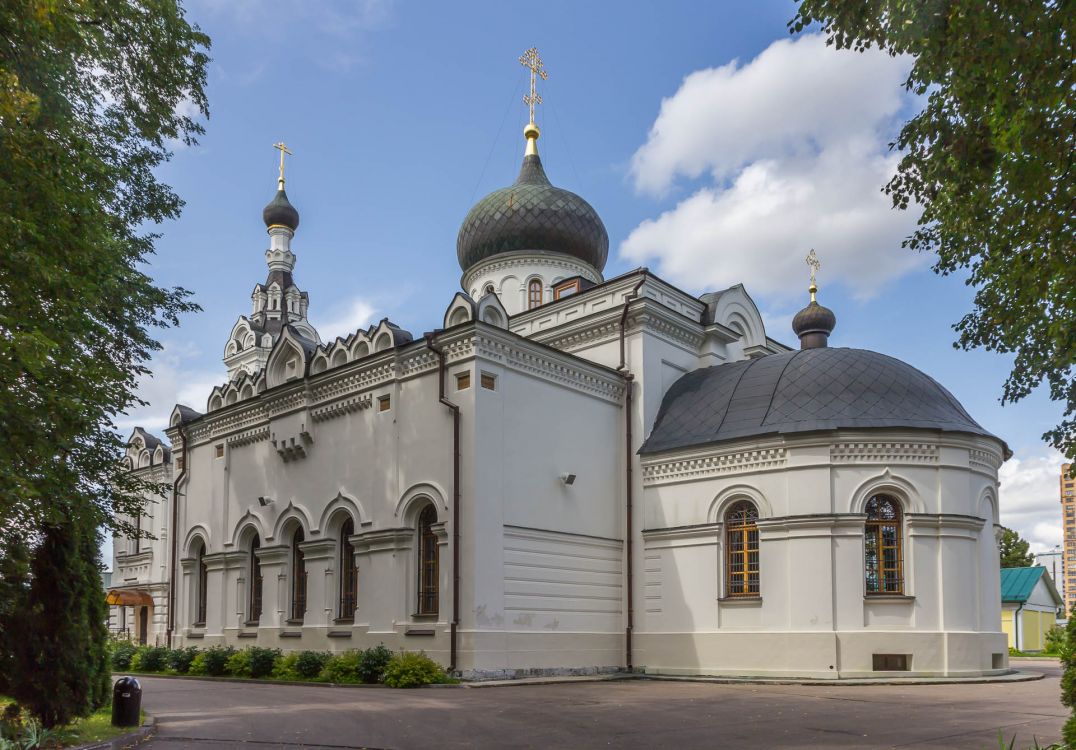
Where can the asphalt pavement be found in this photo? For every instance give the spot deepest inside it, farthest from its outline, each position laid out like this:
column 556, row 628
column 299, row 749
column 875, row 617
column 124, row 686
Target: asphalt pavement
column 622, row 714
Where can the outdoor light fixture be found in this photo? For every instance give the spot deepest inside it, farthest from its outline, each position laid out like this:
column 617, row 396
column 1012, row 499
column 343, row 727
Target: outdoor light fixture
column 568, row 479
column 263, row 501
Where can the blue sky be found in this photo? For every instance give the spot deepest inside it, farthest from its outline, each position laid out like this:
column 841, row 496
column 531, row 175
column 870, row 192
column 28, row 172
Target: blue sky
column 716, row 148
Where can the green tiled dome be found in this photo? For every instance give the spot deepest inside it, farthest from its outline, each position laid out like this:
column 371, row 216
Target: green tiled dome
column 532, row 215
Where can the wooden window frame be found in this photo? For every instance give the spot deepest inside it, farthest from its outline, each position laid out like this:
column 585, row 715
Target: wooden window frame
column 384, row 403
column 349, row 574
column 254, row 596
column 883, row 574
column 201, row 594
column 298, row 579
column 572, row 287
column 742, row 554
column 463, row 381
column 429, row 564
column 488, row 381
column 535, row 294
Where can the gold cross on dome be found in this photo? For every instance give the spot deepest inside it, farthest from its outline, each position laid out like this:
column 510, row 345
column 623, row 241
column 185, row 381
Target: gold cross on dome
column 816, row 266
column 532, row 60
column 283, row 150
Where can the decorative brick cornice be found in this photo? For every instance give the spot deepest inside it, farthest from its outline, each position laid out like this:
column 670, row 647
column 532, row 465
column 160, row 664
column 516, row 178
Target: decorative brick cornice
column 705, row 466
column 919, row 453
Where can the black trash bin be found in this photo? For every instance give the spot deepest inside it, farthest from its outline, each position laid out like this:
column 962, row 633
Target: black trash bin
column 126, row 702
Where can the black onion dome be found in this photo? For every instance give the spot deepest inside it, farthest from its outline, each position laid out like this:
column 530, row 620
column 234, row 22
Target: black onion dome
column 280, row 211
column 814, row 319
column 803, row 391
column 532, row 214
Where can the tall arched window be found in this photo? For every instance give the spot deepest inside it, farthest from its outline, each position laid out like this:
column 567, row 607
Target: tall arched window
column 428, row 573
column 298, row 578
column 201, row 584
column 254, row 606
column 534, row 293
column 884, row 558
column 741, row 550
column 138, row 533
column 349, row 572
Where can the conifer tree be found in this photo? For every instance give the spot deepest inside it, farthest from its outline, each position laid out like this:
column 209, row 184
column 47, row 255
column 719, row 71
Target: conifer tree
column 99, row 677
column 52, row 655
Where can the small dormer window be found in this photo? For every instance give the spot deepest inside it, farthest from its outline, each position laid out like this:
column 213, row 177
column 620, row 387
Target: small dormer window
column 566, row 290
column 488, row 289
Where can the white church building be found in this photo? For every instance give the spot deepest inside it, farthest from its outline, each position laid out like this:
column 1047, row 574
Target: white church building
column 570, row 473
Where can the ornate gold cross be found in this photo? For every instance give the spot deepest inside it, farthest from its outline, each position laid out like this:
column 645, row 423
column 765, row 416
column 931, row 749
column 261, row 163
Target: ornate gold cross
column 283, row 150
column 531, row 59
column 816, row 266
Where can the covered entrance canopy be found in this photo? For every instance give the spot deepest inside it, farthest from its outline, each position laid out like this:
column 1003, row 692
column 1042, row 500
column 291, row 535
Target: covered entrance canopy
column 129, row 597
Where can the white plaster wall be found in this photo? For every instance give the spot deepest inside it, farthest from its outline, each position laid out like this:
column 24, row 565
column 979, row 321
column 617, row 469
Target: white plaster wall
column 510, row 273
column 810, row 496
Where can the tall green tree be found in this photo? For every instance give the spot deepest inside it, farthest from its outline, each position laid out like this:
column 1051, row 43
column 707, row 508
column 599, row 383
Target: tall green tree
column 98, row 670
column 990, row 159
column 92, row 95
column 1013, row 550
column 54, row 674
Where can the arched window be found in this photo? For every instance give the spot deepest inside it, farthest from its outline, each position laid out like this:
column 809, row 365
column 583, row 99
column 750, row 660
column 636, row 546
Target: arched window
column 254, row 606
column 534, row 293
column 884, row 558
column 349, row 572
column 488, row 289
column 428, row 572
column 298, row 578
column 201, row 585
column 741, row 555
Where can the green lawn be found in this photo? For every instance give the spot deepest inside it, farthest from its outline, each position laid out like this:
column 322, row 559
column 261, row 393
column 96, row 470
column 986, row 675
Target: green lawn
column 93, row 728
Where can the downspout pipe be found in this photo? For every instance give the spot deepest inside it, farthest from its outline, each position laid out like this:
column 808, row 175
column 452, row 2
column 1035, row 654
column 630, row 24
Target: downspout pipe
column 1016, row 628
column 629, row 458
column 175, row 541
column 455, row 409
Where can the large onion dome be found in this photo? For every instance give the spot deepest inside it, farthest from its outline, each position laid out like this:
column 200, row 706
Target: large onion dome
column 532, row 214
column 280, row 212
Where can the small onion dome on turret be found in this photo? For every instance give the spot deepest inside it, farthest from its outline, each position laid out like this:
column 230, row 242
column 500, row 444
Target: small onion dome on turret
column 532, row 214
column 280, row 212
column 814, row 323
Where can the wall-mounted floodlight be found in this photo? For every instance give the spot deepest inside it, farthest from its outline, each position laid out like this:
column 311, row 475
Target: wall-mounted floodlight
column 263, row 501
column 568, row 479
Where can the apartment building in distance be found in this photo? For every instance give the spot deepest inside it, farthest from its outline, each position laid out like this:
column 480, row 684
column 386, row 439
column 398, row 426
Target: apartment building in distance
column 1067, row 486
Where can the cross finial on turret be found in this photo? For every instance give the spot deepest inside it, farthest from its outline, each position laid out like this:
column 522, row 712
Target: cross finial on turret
column 816, row 266
column 532, row 60
column 283, row 150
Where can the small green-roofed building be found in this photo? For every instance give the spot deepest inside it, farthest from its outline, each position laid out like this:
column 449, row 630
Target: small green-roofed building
column 1029, row 606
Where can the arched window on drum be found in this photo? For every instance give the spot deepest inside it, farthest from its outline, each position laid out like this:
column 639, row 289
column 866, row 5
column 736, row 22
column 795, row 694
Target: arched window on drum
column 741, row 551
column 883, row 546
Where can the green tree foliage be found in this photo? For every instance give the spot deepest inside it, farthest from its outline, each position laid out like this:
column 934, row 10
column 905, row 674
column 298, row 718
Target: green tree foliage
column 14, row 584
column 92, row 95
column 1014, row 550
column 1068, row 681
column 990, row 159
column 59, row 668
column 98, row 673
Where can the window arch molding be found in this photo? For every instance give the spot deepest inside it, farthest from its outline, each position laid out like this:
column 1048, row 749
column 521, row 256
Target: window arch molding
column 887, row 483
column 296, row 513
column 248, row 524
column 342, row 503
column 194, row 534
column 728, row 497
column 410, row 504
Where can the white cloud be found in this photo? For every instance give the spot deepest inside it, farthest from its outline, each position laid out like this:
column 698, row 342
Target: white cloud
column 346, row 319
column 176, row 377
column 794, row 144
column 1029, row 500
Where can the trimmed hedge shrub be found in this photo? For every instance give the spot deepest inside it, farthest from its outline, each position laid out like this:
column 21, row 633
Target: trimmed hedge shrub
column 343, row 667
column 149, row 659
column 212, row 661
column 122, row 651
column 179, row 659
column 409, row 670
column 308, row 664
column 253, row 661
column 372, row 664
column 1068, row 681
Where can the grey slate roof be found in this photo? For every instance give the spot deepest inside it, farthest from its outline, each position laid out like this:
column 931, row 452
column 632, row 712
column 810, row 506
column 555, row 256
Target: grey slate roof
column 532, row 214
column 803, row 391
